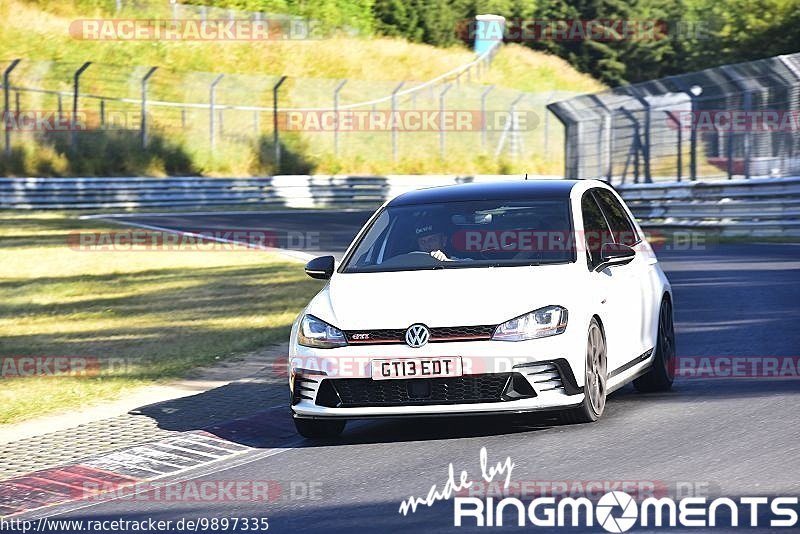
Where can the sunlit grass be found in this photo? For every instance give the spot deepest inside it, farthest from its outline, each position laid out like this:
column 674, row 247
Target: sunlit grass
column 372, row 66
column 159, row 312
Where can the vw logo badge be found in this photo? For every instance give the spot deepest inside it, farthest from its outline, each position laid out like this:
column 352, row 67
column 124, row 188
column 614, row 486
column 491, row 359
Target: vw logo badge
column 417, row 335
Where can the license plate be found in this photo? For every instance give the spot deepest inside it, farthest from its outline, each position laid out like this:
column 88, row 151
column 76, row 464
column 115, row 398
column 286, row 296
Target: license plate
column 394, row 368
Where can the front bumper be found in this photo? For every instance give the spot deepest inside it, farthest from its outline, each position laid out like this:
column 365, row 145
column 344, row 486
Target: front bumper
column 308, row 410
column 553, row 372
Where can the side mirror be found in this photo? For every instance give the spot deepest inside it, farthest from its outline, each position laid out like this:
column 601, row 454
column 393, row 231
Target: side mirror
column 615, row 254
column 320, row 268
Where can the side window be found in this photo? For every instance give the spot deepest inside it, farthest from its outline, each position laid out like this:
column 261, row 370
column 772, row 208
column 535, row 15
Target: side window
column 621, row 226
column 596, row 231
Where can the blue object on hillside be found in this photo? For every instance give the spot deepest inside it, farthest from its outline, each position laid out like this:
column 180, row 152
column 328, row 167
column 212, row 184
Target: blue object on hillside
column 487, row 30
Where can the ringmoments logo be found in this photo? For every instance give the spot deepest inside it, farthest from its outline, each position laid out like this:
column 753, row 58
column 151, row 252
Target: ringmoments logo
column 614, row 511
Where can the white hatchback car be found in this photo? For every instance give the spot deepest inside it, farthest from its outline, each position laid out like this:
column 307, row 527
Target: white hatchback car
column 484, row 298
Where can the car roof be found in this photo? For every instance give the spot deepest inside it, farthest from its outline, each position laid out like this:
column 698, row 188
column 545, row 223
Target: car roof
column 517, row 190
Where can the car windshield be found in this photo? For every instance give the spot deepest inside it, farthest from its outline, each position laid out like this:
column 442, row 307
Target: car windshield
column 469, row 234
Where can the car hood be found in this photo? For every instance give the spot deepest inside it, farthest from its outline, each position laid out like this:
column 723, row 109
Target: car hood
column 444, row 297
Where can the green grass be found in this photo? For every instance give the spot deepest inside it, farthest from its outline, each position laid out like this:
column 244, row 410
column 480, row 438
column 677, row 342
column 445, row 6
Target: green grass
column 180, row 143
column 161, row 312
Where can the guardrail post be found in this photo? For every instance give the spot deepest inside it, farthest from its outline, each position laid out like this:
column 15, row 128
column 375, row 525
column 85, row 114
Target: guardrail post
column 75, row 93
column 394, row 121
column 275, row 136
column 6, row 74
column 212, row 93
column 484, row 94
column 336, row 116
column 143, row 126
column 441, row 122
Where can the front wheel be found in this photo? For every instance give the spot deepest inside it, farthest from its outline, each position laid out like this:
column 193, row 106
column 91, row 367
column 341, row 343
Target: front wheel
column 662, row 373
column 594, row 385
column 319, row 429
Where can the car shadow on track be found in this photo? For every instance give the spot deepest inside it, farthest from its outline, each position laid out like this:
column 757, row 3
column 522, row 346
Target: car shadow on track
column 236, row 412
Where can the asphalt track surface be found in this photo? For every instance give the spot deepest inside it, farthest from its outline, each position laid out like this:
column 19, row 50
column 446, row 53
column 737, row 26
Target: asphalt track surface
column 724, row 437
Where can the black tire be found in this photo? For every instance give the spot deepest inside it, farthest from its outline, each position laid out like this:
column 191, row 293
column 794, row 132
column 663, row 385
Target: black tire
column 595, row 382
column 319, row 429
column 662, row 373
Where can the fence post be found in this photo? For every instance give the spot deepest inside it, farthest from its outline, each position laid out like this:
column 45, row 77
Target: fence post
column 677, row 122
column 212, row 93
column 6, row 104
column 747, row 104
column 602, row 131
column 729, row 144
column 648, row 178
column 102, row 113
column 394, row 122
column 144, row 105
column 748, row 135
column 515, row 135
column 275, row 136
column 610, row 171
column 336, row 116
column 441, row 123
column 547, row 123
column 693, row 93
column 484, row 94
column 75, row 92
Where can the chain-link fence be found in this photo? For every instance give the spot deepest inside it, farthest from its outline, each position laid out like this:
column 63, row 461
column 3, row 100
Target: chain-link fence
column 289, row 125
column 738, row 120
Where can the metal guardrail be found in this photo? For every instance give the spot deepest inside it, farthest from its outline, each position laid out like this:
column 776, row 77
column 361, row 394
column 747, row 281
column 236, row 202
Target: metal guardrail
column 758, row 206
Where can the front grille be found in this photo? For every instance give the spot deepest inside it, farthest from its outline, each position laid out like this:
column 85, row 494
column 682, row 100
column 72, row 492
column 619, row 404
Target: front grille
column 365, row 392
column 438, row 334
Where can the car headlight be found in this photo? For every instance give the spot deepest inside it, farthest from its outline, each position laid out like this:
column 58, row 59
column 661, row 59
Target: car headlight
column 315, row 332
column 547, row 321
